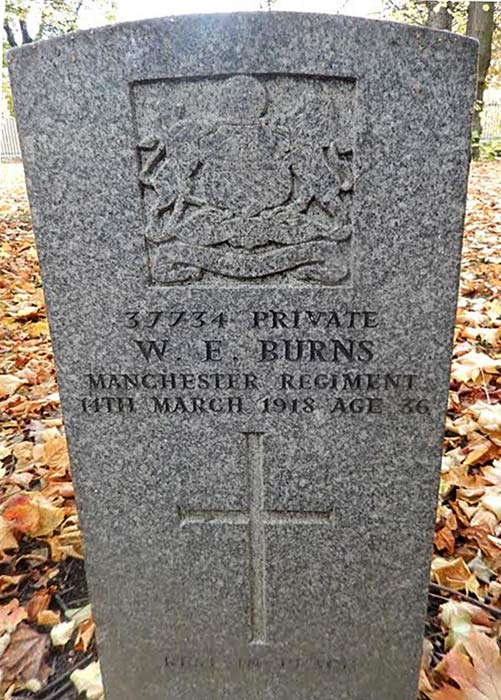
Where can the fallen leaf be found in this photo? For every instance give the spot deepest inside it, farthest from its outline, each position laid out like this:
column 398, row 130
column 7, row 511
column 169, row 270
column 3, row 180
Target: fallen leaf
column 472, row 365
column 39, row 601
column 492, row 501
column 475, row 666
column 33, row 514
column 24, row 660
column 7, row 538
column 445, row 540
column 480, row 568
column 488, row 416
column 79, row 614
column 68, row 543
column 9, row 384
column 48, row 618
column 27, row 312
column 85, row 634
column 41, row 328
column 460, row 618
column 472, row 585
column 22, row 514
column 485, row 520
column 5, row 451
column 477, row 450
column 11, row 615
column 62, row 633
column 23, row 452
column 53, row 452
column 495, row 591
column 453, row 574
column 88, row 680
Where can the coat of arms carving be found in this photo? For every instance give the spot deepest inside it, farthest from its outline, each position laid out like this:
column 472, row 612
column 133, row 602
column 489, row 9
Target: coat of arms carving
column 246, row 191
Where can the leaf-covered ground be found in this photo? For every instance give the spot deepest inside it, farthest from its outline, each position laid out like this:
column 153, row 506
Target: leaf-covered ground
column 47, row 647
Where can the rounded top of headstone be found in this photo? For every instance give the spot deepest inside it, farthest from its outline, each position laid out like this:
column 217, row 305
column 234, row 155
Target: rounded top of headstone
column 228, row 33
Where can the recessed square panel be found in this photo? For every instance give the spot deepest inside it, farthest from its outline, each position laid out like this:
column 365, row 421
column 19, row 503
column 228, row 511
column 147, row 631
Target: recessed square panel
column 246, row 179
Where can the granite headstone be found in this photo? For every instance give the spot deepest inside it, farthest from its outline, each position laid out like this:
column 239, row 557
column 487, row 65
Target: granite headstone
column 249, row 228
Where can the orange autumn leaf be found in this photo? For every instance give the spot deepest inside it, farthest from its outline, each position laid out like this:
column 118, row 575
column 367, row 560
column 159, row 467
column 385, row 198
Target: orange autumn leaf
column 7, row 537
column 39, row 602
column 85, row 634
column 452, row 574
column 33, row 514
column 48, row 618
column 53, row 452
column 473, row 366
column 23, row 452
column 21, row 514
column 477, row 450
column 24, row 660
column 10, row 616
column 488, row 544
column 484, row 520
column 38, row 328
column 475, row 666
column 68, row 543
column 9, row 384
column 445, row 540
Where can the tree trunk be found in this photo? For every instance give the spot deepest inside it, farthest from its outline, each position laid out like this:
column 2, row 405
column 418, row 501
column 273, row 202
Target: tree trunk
column 9, row 34
column 480, row 25
column 24, row 32
column 440, row 15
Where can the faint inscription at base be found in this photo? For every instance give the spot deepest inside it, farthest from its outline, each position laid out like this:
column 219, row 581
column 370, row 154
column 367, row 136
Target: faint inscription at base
column 246, row 179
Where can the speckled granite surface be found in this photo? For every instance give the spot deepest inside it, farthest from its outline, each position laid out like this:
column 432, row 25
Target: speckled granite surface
column 249, row 228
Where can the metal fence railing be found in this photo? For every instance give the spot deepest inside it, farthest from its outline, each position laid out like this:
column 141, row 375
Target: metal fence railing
column 491, row 121
column 9, row 142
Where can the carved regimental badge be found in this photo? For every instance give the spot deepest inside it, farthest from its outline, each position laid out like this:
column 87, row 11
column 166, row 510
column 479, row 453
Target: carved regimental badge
column 249, row 186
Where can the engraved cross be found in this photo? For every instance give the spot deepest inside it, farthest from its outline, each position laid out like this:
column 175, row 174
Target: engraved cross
column 256, row 518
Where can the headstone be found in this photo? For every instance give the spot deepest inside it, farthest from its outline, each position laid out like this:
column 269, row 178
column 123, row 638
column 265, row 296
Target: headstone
column 249, row 227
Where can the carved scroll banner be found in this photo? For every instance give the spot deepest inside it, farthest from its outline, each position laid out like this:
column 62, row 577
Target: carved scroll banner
column 317, row 258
